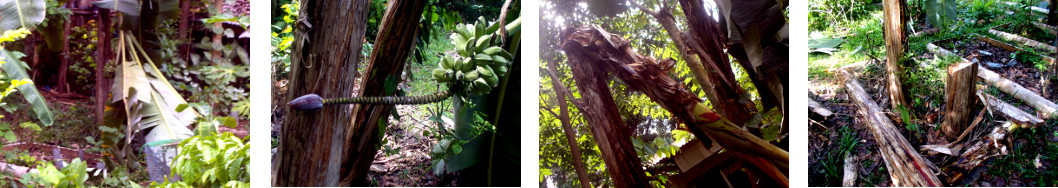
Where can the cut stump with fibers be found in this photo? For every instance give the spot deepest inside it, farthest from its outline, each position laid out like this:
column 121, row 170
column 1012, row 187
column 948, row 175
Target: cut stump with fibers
column 959, row 98
column 906, row 166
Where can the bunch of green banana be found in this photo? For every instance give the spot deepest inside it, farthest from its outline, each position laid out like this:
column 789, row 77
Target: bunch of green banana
column 480, row 63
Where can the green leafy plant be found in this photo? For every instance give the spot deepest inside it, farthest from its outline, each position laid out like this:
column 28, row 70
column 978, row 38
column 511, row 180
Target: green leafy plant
column 72, row 175
column 941, row 13
column 210, row 161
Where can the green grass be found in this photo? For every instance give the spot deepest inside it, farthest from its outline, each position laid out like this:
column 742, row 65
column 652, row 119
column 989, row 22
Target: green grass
column 834, row 163
column 862, row 37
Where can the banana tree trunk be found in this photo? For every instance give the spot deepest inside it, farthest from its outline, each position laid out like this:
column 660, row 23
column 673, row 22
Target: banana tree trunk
column 609, row 131
column 325, row 53
column 895, row 44
column 597, row 53
column 394, row 43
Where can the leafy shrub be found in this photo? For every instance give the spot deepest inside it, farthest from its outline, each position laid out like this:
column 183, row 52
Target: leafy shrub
column 73, row 175
column 211, row 161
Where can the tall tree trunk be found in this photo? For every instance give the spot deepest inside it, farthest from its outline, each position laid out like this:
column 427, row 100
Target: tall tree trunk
column 895, row 43
column 705, row 39
column 394, row 43
column 326, row 49
column 560, row 93
column 612, row 135
column 1052, row 12
column 62, row 86
column 102, row 44
column 217, row 53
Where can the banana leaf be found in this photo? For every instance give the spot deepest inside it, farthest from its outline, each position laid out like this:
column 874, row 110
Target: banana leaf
column 147, row 94
column 14, row 69
column 16, row 14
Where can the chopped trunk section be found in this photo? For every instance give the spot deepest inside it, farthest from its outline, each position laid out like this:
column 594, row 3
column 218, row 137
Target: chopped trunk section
column 959, row 98
column 906, row 167
column 598, row 52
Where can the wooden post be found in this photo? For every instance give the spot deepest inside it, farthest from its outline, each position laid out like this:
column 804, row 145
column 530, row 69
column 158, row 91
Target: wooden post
column 895, row 44
column 959, row 99
column 906, row 167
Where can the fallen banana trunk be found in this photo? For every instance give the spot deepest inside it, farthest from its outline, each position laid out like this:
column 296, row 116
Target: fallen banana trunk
column 1022, row 118
column 818, row 108
column 906, row 167
column 611, row 53
column 1045, row 108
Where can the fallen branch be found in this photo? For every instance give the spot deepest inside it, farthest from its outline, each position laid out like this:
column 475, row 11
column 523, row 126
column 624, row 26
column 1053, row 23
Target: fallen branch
column 1023, row 40
column 906, row 167
column 1010, row 112
column 1044, row 107
column 818, row 108
column 849, row 179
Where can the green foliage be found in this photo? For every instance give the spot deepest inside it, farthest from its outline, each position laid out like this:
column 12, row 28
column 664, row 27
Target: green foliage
column 941, row 13
column 208, row 123
column 983, row 9
column 834, row 162
column 73, row 175
column 823, row 13
column 15, row 76
column 16, row 14
column 282, row 38
column 211, row 161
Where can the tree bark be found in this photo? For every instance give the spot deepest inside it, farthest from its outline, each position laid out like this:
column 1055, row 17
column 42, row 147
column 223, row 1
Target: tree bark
column 394, row 43
column 590, row 46
column 571, row 137
column 217, row 37
column 959, row 100
column 705, row 39
column 612, row 135
column 895, row 44
column 322, row 62
column 665, row 18
column 906, row 167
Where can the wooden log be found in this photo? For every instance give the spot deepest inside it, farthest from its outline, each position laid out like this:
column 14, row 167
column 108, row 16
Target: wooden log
column 1044, row 108
column 1009, row 111
column 906, row 167
column 851, row 169
column 818, row 108
column 959, row 100
column 1023, row 40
